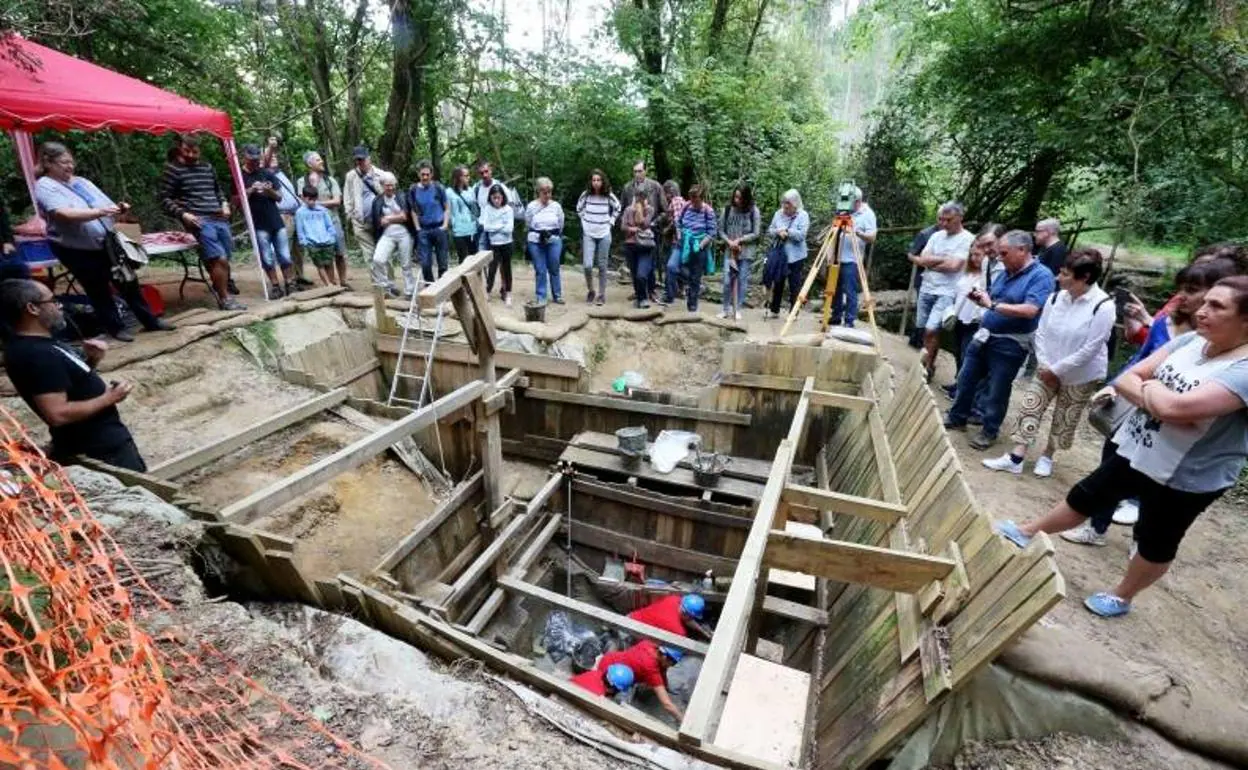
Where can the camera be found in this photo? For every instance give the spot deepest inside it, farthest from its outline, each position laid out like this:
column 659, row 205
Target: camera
column 543, row 236
column 845, row 197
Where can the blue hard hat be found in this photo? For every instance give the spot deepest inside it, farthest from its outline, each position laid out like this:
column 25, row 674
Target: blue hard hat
column 693, row 606
column 672, row 653
column 620, row 676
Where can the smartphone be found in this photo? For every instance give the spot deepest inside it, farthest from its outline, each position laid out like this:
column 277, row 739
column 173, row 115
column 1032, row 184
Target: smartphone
column 1122, row 298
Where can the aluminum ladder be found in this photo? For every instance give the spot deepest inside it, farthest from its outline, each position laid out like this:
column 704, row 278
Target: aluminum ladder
column 426, row 389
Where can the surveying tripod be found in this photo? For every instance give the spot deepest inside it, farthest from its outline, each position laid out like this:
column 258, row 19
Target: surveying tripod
column 830, row 255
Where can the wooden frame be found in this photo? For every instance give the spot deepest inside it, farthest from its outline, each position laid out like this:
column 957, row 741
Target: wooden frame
column 450, row 282
column 839, row 502
column 201, row 456
column 349, row 457
column 641, row 407
column 855, row 563
column 459, row 496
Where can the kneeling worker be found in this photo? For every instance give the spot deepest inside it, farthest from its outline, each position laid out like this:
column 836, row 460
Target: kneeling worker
column 649, row 663
column 61, row 386
column 675, row 614
column 607, row 681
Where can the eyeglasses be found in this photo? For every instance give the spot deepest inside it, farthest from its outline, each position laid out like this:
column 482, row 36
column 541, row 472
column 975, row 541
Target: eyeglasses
column 47, row 301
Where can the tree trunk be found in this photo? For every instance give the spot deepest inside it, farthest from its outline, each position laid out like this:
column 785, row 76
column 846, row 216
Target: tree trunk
column 719, row 20
column 652, row 65
column 1043, row 168
column 758, row 22
column 397, row 106
column 353, row 126
column 435, row 146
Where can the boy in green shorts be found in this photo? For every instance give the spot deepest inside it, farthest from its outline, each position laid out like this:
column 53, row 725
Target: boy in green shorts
column 314, row 227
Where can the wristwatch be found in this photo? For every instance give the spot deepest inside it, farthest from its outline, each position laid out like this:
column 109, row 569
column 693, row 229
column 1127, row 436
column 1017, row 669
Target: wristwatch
column 993, row 306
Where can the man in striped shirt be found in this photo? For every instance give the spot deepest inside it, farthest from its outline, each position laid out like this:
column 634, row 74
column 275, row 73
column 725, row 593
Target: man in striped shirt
column 190, row 194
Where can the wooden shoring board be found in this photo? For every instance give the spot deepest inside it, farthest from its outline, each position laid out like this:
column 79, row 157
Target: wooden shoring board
column 762, row 381
column 162, row 488
column 801, row 415
column 1042, row 589
column 838, row 502
column 999, row 597
column 868, row 672
column 670, row 556
column 474, row 287
column 200, row 456
column 349, row 457
column 730, row 635
column 883, row 454
column 460, row 496
column 840, row 401
column 518, row 569
column 458, row 353
column 450, row 282
column 871, row 727
column 894, row 570
column 742, row 468
column 641, row 407
column 407, row 451
column 599, row 615
column 659, row 504
column 486, row 559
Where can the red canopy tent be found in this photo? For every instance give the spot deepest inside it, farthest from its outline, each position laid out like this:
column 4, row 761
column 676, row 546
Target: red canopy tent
column 46, row 89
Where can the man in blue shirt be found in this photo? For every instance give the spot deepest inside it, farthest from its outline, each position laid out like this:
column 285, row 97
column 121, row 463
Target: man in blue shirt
column 432, row 217
column 853, row 245
column 1013, row 305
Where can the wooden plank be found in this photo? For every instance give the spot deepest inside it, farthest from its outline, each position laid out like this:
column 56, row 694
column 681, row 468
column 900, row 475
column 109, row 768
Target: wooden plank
column 460, row 496
column 664, row 506
column 839, row 502
column 509, row 380
column 840, row 401
column 957, row 587
column 685, row 560
column 163, row 489
column 349, row 457
column 449, row 282
column 287, row 576
column 529, row 556
column 354, row 373
column 195, row 458
column 330, row 593
column 595, row 460
column 934, row 661
column 458, row 353
column 797, row 428
column 907, row 606
column 765, row 711
column 774, row 605
column 762, row 381
column 474, row 286
column 739, row 468
column 1030, row 609
column 855, row 563
column 549, row 488
column 640, row 407
column 606, row 617
column 734, row 621
column 486, row 559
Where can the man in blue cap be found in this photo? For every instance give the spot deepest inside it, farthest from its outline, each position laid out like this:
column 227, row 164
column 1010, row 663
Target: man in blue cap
column 675, row 614
column 607, row 682
column 649, row 662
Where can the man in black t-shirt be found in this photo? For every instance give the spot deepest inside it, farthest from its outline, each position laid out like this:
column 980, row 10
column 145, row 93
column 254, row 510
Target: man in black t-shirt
column 1050, row 250
column 264, row 190
column 916, row 248
column 60, row 385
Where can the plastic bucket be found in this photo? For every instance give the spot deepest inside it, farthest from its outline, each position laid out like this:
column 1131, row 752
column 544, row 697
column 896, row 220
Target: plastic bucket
column 632, row 439
column 535, row 311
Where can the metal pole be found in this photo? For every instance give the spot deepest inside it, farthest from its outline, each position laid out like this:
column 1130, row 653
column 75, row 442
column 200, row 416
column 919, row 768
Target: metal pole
column 568, row 570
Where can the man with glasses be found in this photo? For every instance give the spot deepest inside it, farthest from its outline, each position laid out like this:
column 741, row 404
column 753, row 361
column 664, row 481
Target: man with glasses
column 361, row 186
column 1050, row 251
column 649, row 187
column 61, row 385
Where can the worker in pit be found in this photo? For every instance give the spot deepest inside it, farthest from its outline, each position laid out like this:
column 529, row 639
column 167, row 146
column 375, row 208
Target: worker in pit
column 649, row 662
column 607, row 681
column 675, row 614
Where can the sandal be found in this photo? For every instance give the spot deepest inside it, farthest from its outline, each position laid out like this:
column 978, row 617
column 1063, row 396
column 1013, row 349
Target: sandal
column 1106, row 605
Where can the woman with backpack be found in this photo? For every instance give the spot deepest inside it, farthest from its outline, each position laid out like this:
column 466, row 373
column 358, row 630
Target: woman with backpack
column 739, row 229
column 1072, row 355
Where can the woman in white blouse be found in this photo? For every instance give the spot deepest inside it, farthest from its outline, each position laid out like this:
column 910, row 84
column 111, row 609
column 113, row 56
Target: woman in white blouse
column 1071, row 349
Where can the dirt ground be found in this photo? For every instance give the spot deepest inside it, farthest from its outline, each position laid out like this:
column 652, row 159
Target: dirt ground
column 676, row 357
column 1192, row 624
column 1145, row 751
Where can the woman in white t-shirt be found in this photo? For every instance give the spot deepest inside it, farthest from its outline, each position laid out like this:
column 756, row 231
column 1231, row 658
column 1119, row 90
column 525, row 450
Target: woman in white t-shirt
column 1185, row 445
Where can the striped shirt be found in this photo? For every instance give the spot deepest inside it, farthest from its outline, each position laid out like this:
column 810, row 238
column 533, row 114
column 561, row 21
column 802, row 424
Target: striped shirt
column 597, row 213
column 190, row 189
column 700, row 222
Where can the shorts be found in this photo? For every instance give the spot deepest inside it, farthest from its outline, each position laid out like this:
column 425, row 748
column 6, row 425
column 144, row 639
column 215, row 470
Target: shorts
column 931, row 311
column 321, row 256
column 216, row 241
column 1165, row 513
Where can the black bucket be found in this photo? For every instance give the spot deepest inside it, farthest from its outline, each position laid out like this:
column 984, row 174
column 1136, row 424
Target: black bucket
column 632, row 439
column 535, row 311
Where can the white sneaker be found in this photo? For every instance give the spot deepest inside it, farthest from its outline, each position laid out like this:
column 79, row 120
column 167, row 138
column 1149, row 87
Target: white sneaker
column 1127, row 512
column 507, row 301
column 1044, row 467
column 1004, row 463
column 1084, row 534
column 722, row 314
column 1133, row 550
column 737, row 316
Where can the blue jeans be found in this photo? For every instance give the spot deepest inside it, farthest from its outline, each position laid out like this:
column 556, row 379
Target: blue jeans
column 274, row 243
column 672, row 278
column 429, row 240
column 743, row 283
column 997, row 361
column 695, row 267
column 641, row 263
column 545, row 258
column 847, row 287
column 215, row 239
column 793, row 277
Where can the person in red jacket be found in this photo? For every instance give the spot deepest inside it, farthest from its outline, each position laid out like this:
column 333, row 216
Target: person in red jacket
column 675, row 614
column 607, row 681
column 649, row 662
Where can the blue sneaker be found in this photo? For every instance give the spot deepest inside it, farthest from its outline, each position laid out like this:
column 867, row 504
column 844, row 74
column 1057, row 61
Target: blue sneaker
column 1106, row 605
column 1010, row 531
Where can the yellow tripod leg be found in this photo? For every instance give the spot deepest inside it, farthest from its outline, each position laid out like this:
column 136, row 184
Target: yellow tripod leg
column 829, row 293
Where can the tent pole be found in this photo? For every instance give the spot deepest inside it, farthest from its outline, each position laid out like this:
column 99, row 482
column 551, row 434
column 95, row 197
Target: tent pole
column 26, row 159
column 236, row 173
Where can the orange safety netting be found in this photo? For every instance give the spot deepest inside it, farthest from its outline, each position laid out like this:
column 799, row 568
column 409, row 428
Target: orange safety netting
column 82, row 685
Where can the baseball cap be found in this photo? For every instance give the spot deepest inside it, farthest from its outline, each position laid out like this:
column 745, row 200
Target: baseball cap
column 360, row 152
